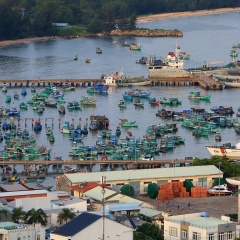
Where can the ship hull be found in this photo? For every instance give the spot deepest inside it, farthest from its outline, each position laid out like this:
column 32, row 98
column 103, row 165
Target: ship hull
column 230, row 153
column 130, row 84
column 156, row 72
column 232, row 84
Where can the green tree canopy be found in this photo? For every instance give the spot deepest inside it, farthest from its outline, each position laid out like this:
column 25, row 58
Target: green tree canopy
column 65, row 215
column 36, row 216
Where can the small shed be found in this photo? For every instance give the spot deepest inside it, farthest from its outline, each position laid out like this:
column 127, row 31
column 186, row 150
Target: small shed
column 102, row 121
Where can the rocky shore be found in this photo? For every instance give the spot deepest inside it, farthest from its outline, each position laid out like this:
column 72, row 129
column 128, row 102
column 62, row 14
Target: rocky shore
column 147, row 33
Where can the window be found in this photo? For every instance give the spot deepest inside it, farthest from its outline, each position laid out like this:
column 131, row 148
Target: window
column 196, row 236
column 230, row 236
column 210, row 236
column 221, row 236
column 184, row 234
column 173, row 231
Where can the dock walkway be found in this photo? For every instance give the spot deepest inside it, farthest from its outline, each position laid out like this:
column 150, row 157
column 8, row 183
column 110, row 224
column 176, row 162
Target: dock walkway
column 196, row 79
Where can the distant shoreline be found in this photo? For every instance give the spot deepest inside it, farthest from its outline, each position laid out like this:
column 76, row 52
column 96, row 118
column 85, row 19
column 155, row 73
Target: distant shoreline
column 147, row 18
column 152, row 17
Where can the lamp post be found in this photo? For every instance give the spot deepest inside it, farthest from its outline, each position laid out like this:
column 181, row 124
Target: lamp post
column 219, row 184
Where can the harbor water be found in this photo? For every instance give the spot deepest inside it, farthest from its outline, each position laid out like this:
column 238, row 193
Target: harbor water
column 205, row 38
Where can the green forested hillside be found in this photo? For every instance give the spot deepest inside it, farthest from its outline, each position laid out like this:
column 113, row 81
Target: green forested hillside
column 25, row 18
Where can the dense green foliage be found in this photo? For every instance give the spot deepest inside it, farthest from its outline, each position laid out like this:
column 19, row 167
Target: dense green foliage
column 148, row 232
column 25, row 18
column 227, row 166
column 65, row 215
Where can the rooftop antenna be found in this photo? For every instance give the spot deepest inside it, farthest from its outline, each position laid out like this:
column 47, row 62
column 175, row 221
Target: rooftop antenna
column 103, row 183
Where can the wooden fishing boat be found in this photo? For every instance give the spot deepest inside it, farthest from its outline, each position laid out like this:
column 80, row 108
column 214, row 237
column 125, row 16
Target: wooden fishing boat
column 86, row 101
column 126, row 123
column 98, row 50
column 122, row 104
column 50, row 103
column 8, row 99
column 75, row 58
column 23, row 105
column 198, row 96
column 134, row 46
column 138, row 103
column 73, row 106
column 61, row 109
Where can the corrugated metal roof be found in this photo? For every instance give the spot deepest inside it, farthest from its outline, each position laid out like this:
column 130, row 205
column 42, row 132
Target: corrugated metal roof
column 141, row 174
column 150, row 212
column 122, row 207
column 22, row 193
column 96, row 193
column 13, row 187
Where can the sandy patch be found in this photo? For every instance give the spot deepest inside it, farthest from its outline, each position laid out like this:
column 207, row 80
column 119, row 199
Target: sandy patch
column 152, row 17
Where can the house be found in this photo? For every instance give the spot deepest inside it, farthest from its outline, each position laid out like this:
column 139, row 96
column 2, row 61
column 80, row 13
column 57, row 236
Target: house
column 45, row 202
column 79, row 190
column 76, row 205
column 90, row 226
column 10, row 230
column 140, row 178
column 197, row 226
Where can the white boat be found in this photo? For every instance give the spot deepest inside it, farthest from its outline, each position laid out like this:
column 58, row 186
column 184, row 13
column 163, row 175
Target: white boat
column 120, row 80
column 226, row 149
column 233, row 84
column 226, row 78
column 220, row 190
column 169, row 67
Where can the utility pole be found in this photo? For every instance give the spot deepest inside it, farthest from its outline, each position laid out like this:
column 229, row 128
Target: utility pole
column 103, row 183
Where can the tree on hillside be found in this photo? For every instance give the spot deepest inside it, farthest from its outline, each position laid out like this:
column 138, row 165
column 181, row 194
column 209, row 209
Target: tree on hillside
column 65, row 214
column 36, row 216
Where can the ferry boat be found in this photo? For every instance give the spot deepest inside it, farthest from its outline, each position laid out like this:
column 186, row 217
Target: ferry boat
column 120, row 80
column 226, row 149
column 169, row 67
column 220, row 190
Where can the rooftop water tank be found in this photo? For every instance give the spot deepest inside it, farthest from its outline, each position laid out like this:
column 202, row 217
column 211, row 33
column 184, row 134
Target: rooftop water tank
column 204, row 214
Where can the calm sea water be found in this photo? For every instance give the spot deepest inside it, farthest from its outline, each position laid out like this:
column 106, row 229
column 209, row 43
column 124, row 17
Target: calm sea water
column 206, row 38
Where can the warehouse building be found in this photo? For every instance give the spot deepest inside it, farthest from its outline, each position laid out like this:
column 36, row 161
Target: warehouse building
column 140, row 178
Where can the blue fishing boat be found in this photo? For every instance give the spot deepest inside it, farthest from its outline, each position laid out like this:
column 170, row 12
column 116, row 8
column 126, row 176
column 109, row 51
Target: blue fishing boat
column 23, row 92
column 5, row 125
column 101, row 87
column 37, row 126
column 127, row 95
column 12, row 112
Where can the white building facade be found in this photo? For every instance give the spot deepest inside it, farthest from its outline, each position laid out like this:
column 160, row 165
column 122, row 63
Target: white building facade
column 199, row 226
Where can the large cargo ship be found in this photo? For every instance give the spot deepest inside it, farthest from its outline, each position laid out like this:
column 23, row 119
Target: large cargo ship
column 169, row 67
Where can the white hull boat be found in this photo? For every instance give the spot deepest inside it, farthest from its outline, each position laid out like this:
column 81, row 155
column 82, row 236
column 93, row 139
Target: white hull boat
column 227, row 150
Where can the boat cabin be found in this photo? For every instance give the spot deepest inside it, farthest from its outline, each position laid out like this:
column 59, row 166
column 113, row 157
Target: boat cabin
column 102, row 122
column 198, row 110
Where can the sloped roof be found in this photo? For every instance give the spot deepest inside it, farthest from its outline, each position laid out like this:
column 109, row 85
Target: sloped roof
column 150, row 212
column 77, row 224
column 87, row 187
column 96, row 193
column 144, row 174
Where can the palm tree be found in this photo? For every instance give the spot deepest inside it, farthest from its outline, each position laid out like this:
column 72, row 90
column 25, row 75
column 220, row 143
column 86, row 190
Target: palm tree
column 17, row 214
column 36, row 216
column 4, row 214
column 65, row 214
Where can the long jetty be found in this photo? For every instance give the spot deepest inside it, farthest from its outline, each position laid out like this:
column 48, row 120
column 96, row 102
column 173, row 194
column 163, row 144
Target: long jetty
column 196, row 79
column 126, row 164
